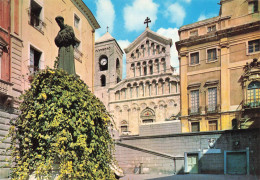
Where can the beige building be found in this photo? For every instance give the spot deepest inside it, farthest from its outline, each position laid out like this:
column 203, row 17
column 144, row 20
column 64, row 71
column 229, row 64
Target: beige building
column 40, row 29
column 218, row 90
column 150, row 93
column 27, row 32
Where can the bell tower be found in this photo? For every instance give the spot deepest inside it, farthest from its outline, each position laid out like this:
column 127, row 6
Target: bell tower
column 108, row 66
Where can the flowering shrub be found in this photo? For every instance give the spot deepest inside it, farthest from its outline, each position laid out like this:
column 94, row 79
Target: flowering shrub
column 61, row 123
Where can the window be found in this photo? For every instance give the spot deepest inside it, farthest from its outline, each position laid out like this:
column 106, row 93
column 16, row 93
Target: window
column 137, row 52
column 213, row 125
column 153, row 48
column 253, row 46
column 157, row 49
column 212, row 28
column 194, row 58
column 195, row 101
column 142, row 47
column 253, row 94
column 212, row 99
column 35, row 15
column 124, row 128
column 151, row 69
column 195, row 127
column 118, row 79
column 76, row 21
column 163, row 49
column 212, row 54
column 146, row 121
column 35, row 57
column 252, row 6
column 103, row 80
column 194, row 33
column 145, row 70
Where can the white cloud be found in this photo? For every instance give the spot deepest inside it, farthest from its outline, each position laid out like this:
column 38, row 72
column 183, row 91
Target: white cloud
column 135, row 14
column 203, row 16
column 176, row 14
column 123, row 44
column 105, row 15
column 173, row 34
column 97, row 35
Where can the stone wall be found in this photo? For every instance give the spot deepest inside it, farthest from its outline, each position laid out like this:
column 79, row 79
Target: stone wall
column 166, row 153
column 5, row 118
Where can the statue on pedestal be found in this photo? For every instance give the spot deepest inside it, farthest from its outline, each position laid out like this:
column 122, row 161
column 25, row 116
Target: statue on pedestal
column 65, row 40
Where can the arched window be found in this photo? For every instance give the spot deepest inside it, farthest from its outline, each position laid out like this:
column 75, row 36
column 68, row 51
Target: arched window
column 147, row 115
column 133, row 68
column 157, row 65
column 153, row 50
column 103, row 80
column 103, row 63
column 137, row 52
column 157, row 49
column 163, row 49
column 145, row 68
column 164, row 64
column 124, row 126
column 253, row 94
column 151, row 66
column 118, row 79
column 117, row 64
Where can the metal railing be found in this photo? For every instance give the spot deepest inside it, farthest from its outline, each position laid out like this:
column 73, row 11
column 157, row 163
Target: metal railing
column 78, row 54
column 213, row 108
column 251, row 103
column 195, row 111
column 36, row 22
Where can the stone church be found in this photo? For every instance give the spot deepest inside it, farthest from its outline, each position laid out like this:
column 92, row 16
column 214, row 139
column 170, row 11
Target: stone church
column 149, row 96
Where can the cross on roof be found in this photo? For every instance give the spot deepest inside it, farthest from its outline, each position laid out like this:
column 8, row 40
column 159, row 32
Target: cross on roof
column 107, row 28
column 147, row 21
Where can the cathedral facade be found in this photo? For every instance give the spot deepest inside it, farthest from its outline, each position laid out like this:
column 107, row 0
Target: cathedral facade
column 149, row 94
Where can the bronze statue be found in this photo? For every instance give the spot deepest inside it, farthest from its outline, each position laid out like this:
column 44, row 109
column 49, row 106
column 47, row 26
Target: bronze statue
column 65, row 40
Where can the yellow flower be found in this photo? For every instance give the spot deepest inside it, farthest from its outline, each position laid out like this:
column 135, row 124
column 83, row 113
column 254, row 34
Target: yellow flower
column 44, row 96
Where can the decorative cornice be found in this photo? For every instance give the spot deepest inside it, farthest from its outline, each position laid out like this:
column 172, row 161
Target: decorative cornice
column 87, row 13
column 229, row 32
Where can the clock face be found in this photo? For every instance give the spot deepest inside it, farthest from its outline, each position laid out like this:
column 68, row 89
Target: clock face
column 103, row 61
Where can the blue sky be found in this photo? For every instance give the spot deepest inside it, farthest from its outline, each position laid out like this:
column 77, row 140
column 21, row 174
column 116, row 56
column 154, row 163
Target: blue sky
column 125, row 18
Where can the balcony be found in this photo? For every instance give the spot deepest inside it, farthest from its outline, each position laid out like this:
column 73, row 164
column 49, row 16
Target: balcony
column 195, row 111
column 36, row 22
column 78, row 55
column 212, row 109
column 251, row 103
column 5, row 88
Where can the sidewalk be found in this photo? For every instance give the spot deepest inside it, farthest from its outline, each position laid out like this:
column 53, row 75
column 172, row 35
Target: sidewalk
column 188, row 177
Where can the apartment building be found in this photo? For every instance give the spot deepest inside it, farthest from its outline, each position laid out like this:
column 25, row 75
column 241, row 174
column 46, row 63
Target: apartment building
column 219, row 69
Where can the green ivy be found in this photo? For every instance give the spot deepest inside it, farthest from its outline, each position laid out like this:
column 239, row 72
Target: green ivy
column 62, row 124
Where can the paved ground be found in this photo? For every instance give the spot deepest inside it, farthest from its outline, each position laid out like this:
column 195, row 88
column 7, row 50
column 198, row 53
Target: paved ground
column 188, row 177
